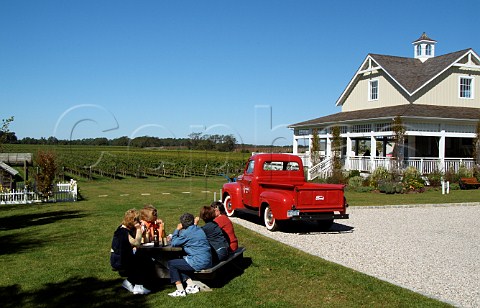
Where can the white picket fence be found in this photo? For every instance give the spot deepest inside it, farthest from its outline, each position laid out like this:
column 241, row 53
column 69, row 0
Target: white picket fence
column 63, row 192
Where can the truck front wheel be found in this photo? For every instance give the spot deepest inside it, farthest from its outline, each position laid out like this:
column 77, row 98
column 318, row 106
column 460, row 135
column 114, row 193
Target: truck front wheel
column 269, row 220
column 227, row 203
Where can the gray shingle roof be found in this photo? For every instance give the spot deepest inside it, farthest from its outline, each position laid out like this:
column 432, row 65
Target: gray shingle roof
column 424, row 37
column 405, row 111
column 7, row 168
column 411, row 73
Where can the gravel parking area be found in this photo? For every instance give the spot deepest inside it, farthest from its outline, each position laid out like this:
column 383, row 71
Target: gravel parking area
column 430, row 249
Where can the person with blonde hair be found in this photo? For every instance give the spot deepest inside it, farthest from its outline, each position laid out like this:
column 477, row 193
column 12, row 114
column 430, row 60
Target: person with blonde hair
column 150, row 222
column 125, row 240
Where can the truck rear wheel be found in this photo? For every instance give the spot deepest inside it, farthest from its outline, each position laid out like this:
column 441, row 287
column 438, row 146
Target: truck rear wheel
column 269, row 220
column 227, row 203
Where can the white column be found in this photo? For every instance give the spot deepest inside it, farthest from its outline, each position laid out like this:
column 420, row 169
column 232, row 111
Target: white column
column 349, row 150
column 373, row 151
column 295, row 145
column 441, row 150
column 373, row 145
column 329, row 148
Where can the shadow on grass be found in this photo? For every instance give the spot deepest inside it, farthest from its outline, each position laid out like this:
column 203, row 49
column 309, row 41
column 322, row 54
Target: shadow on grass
column 17, row 243
column 301, row 227
column 18, row 246
column 27, row 220
column 225, row 274
column 76, row 292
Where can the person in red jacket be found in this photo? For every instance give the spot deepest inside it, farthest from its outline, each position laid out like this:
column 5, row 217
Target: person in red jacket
column 225, row 224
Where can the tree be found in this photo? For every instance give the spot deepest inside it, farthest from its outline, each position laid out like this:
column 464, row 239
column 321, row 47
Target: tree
column 46, row 162
column 315, row 150
column 476, row 144
column 226, row 143
column 337, row 176
column 4, row 131
column 122, row 141
column 399, row 138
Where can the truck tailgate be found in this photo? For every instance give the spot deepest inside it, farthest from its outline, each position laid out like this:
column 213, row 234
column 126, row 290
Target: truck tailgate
column 331, row 197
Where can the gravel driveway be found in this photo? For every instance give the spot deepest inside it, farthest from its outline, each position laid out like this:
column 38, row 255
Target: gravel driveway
column 431, row 249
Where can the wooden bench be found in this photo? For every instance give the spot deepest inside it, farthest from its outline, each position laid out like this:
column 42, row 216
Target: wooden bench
column 466, row 183
column 210, row 273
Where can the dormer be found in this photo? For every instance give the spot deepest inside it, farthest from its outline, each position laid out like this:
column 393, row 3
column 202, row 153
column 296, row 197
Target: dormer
column 424, row 48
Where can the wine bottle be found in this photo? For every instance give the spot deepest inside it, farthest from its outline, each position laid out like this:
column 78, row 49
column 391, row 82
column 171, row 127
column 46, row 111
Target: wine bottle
column 164, row 237
column 156, row 242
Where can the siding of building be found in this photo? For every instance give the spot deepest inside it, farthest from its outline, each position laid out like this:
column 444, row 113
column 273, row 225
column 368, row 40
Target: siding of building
column 444, row 91
column 388, row 95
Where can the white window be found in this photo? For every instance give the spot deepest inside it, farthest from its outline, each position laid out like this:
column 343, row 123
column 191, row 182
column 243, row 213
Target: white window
column 373, row 90
column 465, row 87
column 428, row 50
column 419, row 50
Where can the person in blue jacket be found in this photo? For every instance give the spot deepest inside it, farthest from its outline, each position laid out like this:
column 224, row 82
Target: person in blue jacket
column 215, row 236
column 199, row 257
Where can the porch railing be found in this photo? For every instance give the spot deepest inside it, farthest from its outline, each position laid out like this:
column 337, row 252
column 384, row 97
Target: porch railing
column 321, row 169
column 425, row 165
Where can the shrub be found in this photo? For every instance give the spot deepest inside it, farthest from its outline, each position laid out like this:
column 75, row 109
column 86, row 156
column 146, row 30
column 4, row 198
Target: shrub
column 452, row 177
column 380, row 175
column 353, row 173
column 412, row 179
column 454, row 186
column 46, row 161
column 435, row 178
column 336, row 178
column 355, row 182
column 476, row 172
column 464, row 172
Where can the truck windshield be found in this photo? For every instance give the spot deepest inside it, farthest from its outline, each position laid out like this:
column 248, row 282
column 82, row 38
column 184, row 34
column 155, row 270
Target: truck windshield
column 281, row 165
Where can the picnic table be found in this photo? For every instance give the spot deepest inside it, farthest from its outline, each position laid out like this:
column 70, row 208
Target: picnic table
column 162, row 254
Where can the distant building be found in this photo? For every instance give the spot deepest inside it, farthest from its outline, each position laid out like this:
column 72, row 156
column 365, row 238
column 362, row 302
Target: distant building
column 8, row 176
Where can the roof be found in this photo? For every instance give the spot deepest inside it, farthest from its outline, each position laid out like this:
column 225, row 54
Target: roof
column 16, row 158
column 404, row 111
column 410, row 74
column 9, row 169
column 424, row 37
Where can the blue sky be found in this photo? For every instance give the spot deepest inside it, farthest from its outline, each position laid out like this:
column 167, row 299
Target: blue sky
column 86, row 69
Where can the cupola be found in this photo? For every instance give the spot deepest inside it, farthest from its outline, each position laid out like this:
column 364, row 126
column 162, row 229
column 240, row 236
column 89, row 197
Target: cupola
column 424, row 48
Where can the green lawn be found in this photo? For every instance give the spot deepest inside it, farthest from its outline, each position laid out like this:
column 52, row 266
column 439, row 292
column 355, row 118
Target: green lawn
column 58, row 255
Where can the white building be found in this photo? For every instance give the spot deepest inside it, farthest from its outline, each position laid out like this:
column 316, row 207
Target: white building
column 436, row 97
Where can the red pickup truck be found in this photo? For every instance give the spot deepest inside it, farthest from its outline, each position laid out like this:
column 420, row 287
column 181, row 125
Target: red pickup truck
column 273, row 186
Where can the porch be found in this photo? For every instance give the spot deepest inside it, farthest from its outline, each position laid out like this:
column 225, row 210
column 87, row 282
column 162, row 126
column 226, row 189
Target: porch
column 425, row 165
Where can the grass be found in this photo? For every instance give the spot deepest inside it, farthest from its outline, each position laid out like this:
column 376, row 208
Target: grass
column 58, row 255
